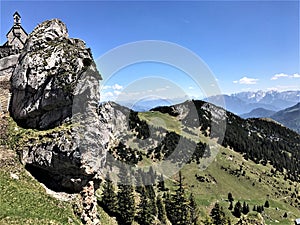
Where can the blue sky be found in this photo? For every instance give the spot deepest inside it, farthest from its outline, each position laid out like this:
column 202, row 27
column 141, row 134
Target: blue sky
column 247, row 45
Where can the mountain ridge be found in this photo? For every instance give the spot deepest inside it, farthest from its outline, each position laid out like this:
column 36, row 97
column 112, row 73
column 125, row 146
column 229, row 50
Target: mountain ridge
column 258, row 113
column 244, row 102
column 137, row 126
column 289, row 117
column 259, row 130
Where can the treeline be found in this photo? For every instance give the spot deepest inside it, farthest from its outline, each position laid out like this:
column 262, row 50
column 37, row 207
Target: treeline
column 133, row 200
column 257, row 139
column 147, row 204
column 179, row 149
column 171, row 146
column 263, row 142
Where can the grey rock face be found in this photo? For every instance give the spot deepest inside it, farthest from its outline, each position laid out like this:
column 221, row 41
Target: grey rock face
column 7, row 66
column 114, row 121
column 45, row 77
column 55, row 90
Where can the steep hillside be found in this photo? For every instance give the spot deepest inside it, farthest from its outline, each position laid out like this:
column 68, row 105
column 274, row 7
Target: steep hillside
column 260, row 140
column 258, row 113
column 23, row 200
column 289, row 117
column 213, row 170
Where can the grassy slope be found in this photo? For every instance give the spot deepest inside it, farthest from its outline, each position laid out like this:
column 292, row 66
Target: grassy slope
column 255, row 187
column 24, row 200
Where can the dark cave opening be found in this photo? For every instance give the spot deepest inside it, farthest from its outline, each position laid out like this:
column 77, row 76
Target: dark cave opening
column 54, row 182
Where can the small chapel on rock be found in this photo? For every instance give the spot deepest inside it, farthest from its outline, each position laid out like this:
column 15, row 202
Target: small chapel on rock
column 16, row 38
column 9, row 53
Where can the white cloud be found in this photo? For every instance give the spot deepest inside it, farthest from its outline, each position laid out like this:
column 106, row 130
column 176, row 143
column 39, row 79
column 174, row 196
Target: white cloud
column 191, row 88
column 282, row 75
column 117, row 87
column 246, row 80
column 279, row 75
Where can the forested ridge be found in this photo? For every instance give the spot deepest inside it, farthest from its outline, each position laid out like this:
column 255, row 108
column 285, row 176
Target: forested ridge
column 151, row 198
column 260, row 140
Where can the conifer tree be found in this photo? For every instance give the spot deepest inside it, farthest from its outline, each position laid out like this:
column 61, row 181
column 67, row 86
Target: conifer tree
column 207, row 221
column 152, row 199
column 230, row 197
column 161, row 183
column 168, row 205
column 161, row 211
column 109, row 196
column 180, row 204
column 267, row 204
column 237, row 211
column 230, row 206
column 176, row 205
column 248, row 208
column 260, row 209
column 139, row 181
column 126, row 202
column 193, row 210
column 245, row 208
column 218, row 216
column 144, row 215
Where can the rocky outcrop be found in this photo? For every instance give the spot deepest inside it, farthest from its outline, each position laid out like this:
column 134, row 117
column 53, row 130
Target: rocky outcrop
column 6, row 51
column 114, row 120
column 88, row 201
column 7, row 66
column 55, row 95
column 46, row 76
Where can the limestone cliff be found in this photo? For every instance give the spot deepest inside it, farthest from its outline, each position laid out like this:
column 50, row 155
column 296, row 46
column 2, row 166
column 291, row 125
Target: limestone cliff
column 46, row 76
column 7, row 65
column 55, row 95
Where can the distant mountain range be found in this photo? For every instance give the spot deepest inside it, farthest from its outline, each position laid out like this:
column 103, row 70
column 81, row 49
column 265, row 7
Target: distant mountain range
column 258, row 113
column 238, row 103
column 289, row 117
column 282, row 107
column 145, row 105
column 245, row 102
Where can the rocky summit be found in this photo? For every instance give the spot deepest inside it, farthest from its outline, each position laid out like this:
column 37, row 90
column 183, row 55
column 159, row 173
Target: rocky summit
column 46, row 75
column 55, row 95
